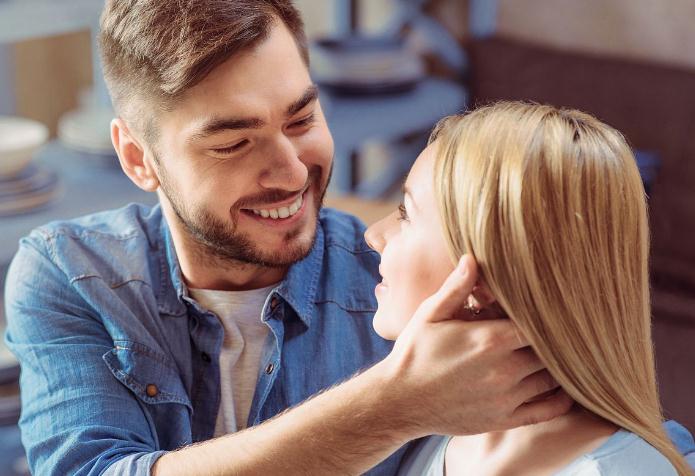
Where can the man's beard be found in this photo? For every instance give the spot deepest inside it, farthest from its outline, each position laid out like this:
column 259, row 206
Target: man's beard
column 220, row 240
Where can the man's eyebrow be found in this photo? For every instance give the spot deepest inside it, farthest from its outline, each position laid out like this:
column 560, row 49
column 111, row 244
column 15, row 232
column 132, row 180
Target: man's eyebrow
column 214, row 125
column 311, row 94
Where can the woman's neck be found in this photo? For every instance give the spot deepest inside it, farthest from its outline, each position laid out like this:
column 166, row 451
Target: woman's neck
column 538, row 449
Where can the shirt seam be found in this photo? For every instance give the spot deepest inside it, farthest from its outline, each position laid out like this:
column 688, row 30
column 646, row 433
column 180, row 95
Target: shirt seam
column 343, row 307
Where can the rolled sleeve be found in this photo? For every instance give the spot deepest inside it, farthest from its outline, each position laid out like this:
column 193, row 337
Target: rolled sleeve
column 136, row 464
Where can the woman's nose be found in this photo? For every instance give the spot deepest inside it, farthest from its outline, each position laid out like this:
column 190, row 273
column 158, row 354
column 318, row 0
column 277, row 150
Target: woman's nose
column 377, row 235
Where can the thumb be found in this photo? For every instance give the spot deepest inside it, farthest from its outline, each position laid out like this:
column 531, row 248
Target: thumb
column 452, row 295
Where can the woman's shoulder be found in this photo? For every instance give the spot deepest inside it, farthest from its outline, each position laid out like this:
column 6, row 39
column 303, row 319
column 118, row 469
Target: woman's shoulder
column 624, row 453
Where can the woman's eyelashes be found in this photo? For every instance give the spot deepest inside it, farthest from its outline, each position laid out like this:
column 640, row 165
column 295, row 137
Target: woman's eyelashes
column 402, row 212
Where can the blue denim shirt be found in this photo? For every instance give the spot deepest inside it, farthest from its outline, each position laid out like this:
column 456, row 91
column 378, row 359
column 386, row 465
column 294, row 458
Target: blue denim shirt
column 119, row 365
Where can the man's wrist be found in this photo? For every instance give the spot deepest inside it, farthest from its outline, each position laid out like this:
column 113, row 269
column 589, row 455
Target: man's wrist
column 391, row 402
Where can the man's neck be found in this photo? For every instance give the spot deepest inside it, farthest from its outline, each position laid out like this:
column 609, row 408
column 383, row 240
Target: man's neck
column 201, row 270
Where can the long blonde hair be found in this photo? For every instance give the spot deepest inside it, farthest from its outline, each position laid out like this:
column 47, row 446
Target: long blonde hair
column 551, row 205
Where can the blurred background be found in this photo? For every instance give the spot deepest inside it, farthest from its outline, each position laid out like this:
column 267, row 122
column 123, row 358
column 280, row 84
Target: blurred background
column 388, row 70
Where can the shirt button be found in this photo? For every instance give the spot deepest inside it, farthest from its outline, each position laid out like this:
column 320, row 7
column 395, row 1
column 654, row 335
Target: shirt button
column 151, row 390
column 274, row 302
column 206, row 358
column 269, row 368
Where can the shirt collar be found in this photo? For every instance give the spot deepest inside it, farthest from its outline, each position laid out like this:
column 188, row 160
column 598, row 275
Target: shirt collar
column 300, row 285
column 298, row 288
column 172, row 289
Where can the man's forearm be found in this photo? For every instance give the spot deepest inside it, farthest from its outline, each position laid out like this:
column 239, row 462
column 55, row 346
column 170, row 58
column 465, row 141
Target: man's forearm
column 345, row 430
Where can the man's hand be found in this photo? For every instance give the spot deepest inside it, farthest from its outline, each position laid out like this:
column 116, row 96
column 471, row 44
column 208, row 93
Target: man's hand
column 444, row 376
column 455, row 376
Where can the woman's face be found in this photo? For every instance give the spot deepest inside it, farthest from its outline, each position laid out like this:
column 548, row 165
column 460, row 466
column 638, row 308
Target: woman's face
column 414, row 258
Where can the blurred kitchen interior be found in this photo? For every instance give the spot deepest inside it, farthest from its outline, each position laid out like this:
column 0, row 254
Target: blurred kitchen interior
column 629, row 62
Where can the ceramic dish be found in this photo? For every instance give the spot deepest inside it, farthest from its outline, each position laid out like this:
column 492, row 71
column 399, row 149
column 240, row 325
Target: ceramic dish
column 88, row 131
column 19, row 140
column 32, row 188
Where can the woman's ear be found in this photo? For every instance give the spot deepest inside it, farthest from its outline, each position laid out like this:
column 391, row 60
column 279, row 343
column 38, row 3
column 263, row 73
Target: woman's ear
column 135, row 160
column 482, row 294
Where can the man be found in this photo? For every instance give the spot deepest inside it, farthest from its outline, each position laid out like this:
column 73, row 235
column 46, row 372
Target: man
column 149, row 338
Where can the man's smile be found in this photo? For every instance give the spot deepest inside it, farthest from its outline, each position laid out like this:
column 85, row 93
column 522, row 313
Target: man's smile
column 280, row 214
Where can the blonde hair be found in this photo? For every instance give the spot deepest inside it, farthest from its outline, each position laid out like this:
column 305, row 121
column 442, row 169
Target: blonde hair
column 551, row 205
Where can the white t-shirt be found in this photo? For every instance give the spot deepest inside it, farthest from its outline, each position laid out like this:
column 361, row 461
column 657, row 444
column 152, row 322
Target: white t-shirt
column 245, row 333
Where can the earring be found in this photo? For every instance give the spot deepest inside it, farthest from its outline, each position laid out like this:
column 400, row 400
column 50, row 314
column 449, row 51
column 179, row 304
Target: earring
column 471, row 307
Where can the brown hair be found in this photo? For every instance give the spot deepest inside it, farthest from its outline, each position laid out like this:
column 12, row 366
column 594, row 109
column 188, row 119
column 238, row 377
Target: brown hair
column 153, row 51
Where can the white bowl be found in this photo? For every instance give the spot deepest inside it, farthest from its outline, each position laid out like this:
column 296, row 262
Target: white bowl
column 19, row 140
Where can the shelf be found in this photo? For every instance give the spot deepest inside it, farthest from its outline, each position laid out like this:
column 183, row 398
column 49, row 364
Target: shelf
column 27, row 19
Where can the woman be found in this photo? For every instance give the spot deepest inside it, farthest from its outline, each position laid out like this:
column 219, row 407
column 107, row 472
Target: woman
column 550, row 204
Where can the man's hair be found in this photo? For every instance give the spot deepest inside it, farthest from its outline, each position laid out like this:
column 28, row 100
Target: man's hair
column 153, row 51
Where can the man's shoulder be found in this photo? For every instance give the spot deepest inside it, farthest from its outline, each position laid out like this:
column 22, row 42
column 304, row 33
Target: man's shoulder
column 344, row 231
column 111, row 244
column 122, row 223
column 350, row 268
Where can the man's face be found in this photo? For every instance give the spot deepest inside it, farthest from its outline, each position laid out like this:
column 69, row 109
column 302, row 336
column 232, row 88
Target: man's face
column 245, row 158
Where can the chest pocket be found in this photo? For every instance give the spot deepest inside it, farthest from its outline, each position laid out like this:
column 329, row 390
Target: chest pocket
column 156, row 382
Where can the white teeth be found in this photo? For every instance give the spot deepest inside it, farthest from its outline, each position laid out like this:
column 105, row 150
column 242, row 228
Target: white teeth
column 283, row 212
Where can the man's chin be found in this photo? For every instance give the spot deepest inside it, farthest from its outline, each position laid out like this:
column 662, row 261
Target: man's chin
column 282, row 251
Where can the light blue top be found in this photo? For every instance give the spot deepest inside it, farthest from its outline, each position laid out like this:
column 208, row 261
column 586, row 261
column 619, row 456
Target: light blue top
column 623, row 454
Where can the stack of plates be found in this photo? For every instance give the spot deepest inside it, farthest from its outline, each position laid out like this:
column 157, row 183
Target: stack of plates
column 88, row 131
column 32, row 188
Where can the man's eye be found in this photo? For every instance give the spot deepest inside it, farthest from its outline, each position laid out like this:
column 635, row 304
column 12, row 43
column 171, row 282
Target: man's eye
column 231, row 149
column 307, row 121
column 402, row 213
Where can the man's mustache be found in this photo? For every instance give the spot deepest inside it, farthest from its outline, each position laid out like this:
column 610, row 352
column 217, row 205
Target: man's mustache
column 273, row 196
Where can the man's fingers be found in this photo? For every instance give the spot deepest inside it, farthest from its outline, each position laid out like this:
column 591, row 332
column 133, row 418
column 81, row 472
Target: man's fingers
column 543, row 410
column 533, row 387
column 528, row 361
column 453, row 294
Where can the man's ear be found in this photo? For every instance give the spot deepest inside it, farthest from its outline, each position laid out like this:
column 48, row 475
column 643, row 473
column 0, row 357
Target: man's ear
column 135, row 160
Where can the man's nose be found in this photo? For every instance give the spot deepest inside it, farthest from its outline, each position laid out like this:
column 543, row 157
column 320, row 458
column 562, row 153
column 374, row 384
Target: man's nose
column 377, row 235
column 285, row 169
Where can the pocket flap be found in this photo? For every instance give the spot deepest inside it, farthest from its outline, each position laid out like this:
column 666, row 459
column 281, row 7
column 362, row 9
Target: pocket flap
column 148, row 374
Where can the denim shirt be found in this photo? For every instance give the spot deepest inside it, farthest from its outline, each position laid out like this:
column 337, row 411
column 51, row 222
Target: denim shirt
column 119, row 365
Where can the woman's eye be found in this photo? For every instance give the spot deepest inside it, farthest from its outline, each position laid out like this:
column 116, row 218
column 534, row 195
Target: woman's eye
column 402, row 213
column 231, row 149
